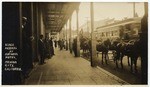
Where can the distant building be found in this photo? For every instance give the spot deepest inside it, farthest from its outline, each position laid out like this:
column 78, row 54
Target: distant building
column 86, row 27
column 64, row 33
column 124, row 29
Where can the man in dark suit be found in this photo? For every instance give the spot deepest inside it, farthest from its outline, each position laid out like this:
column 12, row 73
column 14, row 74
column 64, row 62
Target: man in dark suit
column 25, row 48
column 41, row 49
column 51, row 47
column 75, row 47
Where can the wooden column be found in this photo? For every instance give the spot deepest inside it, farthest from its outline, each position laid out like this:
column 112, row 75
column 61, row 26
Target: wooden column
column 70, row 39
column 63, row 33
column 37, row 29
column 144, row 46
column 66, row 38
column 41, row 25
column 35, row 11
column 32, row 35
column 78, row 42
column 93, row 41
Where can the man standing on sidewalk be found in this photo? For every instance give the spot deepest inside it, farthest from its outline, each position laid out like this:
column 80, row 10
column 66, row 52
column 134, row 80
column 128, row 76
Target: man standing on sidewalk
column 51, row 46
column 41, row 49
column 75, row 47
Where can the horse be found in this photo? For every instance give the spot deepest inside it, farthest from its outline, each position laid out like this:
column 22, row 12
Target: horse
column 130, row 49
column 85, row 46
column 115, row 47
column 104, row 48
column 134, row 53
column 119, row 52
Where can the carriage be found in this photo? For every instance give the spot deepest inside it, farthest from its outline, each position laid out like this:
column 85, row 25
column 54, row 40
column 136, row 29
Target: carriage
column 124, row 33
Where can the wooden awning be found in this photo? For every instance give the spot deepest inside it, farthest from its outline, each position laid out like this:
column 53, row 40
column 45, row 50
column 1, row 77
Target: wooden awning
column 56, row 14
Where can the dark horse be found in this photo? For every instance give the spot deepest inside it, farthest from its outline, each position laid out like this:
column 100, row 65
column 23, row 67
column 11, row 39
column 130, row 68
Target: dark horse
column 85, row 46
column 130, row 49
column 119, row 51
column 133, row 53
column 104, row 48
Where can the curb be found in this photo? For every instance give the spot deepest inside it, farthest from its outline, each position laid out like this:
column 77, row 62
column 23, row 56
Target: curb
column 34, row 68
column 113, row 76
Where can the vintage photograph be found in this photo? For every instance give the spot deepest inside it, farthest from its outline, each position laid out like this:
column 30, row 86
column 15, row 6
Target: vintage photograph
column 74, row 43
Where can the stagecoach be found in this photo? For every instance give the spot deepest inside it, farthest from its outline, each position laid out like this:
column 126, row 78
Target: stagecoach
column 126, row 34
column 120, row 38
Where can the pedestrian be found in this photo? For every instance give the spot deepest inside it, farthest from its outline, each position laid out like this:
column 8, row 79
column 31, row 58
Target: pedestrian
column 26, row 48
column 47, row 47
column 51, row 47
column 61, row 44
column 75, row 47
column 41, row 48
column 55, row 43
column 66, row 45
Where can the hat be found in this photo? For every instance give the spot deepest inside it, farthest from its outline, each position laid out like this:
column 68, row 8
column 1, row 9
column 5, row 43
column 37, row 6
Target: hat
column 24, row 19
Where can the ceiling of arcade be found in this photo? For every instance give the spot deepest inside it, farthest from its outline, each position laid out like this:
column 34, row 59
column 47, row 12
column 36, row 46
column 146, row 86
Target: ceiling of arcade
column 56, row 14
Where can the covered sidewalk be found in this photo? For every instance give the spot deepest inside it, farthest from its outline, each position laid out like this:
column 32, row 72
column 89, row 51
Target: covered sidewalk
column 65, row 69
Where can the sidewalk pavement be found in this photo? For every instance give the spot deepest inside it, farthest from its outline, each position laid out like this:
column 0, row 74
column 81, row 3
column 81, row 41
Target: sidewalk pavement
column 65, row 69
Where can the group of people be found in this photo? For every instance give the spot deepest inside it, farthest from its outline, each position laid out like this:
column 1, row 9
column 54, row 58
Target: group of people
column 45, row 46
column 46, row 49
column 63, row 44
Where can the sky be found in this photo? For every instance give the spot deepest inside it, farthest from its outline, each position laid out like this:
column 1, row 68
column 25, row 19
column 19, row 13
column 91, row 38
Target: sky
column 103, row 10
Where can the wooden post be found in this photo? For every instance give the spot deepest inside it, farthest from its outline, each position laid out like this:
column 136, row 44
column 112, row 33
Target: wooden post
column 41, row 24
column 32, row 34
column 93, row 41
column 36, row 30
column 70, row 39
column 144, row 46
column 78, row 42
column 66, row 38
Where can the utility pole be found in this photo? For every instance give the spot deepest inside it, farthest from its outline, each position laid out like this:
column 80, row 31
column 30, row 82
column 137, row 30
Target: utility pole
column 134, row 9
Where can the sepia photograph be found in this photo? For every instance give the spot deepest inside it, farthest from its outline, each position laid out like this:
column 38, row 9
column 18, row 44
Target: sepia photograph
column 74, row 43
